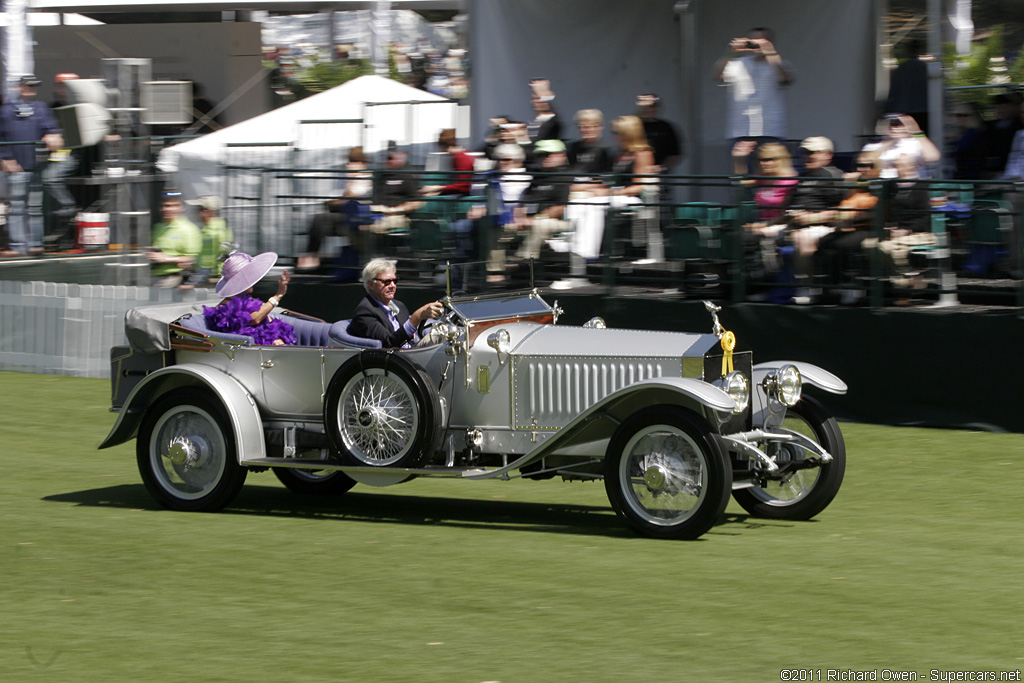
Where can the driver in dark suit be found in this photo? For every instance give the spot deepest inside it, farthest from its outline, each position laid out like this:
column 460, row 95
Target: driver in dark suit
column 380, row 316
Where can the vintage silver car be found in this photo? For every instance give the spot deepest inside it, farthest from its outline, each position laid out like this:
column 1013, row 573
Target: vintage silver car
column 673, row 422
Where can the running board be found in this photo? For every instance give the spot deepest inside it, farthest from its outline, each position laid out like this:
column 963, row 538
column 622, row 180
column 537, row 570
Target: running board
column 303, row 464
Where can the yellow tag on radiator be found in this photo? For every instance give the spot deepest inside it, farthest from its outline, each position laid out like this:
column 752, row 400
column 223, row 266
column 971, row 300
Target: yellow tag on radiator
column 728, row 344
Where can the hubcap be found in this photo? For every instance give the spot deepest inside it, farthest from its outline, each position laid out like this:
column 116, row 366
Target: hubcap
column 655, row 477
column 188, row 453
column 663, row 474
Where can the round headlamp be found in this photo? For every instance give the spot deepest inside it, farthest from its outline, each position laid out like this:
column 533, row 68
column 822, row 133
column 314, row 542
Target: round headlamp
column 500, row 341
column 736, row 385
column 790, row 385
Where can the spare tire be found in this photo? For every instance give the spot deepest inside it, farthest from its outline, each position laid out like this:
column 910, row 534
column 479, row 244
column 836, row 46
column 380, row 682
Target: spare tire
column 382, row 411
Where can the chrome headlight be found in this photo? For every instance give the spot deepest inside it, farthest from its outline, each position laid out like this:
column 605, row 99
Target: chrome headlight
column 784, row 385
column 500, row 341
column 595, row 323
column 735, row 384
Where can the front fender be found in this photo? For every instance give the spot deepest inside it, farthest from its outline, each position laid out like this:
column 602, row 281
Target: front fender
column 238, row 403
column 598, row 423
column 812, row 374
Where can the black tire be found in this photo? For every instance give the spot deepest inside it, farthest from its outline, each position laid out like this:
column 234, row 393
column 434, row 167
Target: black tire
column 186, row 453
column 315, row 482
column 667, row 473
column 808, row 491
column 381, row 411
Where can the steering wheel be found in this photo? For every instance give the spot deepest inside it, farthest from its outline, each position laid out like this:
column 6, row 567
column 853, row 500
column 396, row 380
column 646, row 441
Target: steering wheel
column 434, row 330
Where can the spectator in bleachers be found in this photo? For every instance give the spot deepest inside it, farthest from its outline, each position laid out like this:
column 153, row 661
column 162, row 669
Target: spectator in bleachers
column 589, row 156
column 545, row 125
column 901, row 136
column 813, row 208
column 907, row 226
column 358, row 181
column 462, row 164
column 634, row 158
column 661, row 135
column 545, row 199
column 1000, row 133
column 493, row 137
column 342, row 215
column 908, row 85
column 512, row 181
column 838, row 250
column 774, row 190
column 968, row 143
column 756, row 75
column 398, row 194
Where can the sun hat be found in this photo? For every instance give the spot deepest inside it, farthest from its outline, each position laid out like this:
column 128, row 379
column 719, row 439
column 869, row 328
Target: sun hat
column 242, row 271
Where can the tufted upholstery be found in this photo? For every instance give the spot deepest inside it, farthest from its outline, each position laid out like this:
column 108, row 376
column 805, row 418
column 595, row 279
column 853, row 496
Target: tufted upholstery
column 308, row 332
column 340, row 337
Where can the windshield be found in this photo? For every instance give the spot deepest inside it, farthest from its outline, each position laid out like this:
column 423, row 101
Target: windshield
column 492, row 307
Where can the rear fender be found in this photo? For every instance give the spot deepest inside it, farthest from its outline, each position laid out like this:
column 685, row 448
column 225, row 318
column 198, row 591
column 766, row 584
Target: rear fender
column 239, row 405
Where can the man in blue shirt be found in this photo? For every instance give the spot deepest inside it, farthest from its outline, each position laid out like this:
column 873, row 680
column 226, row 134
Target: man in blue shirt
column 24, row 119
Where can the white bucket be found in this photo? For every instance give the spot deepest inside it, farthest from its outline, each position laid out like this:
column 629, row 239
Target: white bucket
column 93, row 229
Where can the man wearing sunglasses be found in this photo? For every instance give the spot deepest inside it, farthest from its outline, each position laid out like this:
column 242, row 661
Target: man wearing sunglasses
column 380, row 316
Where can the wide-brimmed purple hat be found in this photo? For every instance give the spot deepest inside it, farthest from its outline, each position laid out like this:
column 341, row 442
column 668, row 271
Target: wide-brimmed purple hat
column 242, row 271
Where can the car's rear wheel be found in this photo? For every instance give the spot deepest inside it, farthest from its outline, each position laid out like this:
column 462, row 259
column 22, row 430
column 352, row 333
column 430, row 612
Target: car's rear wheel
column 316, row 482
column 381, row 411
column 800, row 493
column 186, row 453
column 667, row 473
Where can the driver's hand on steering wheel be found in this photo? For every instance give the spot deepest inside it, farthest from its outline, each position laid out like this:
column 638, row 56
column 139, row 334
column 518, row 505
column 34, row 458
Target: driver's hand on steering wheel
column 427, row 311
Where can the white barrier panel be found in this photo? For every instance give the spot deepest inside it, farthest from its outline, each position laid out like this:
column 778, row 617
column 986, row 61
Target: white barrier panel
column 58, row 328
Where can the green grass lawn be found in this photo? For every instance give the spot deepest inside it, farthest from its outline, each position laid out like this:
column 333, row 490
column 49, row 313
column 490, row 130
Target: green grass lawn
column 917, row 565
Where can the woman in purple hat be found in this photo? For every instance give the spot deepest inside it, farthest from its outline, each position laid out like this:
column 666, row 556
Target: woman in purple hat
column 241, row 313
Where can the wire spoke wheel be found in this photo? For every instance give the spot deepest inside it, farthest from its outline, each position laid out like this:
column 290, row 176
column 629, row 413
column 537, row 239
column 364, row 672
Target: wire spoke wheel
column 378, row 418
column 800, row 493
column 666, row 473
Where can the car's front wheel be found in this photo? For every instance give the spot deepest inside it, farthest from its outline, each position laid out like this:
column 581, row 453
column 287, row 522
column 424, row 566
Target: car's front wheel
column 799, row 491
column 186, row 453
column 667, row 473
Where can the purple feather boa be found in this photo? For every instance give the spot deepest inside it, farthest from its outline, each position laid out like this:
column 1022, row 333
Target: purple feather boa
column 234, row 315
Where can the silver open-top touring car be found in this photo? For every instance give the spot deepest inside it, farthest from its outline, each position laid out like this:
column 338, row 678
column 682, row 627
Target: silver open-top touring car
column 673, row 422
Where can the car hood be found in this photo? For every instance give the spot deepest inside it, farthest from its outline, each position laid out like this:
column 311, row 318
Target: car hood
column 555, row 341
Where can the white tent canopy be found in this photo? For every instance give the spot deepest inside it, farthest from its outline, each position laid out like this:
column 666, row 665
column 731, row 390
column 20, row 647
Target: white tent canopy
column 315, row 132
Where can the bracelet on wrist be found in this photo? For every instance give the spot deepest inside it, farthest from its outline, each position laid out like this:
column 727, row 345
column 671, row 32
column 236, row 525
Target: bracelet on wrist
column 274, row 301
column 920, row 135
